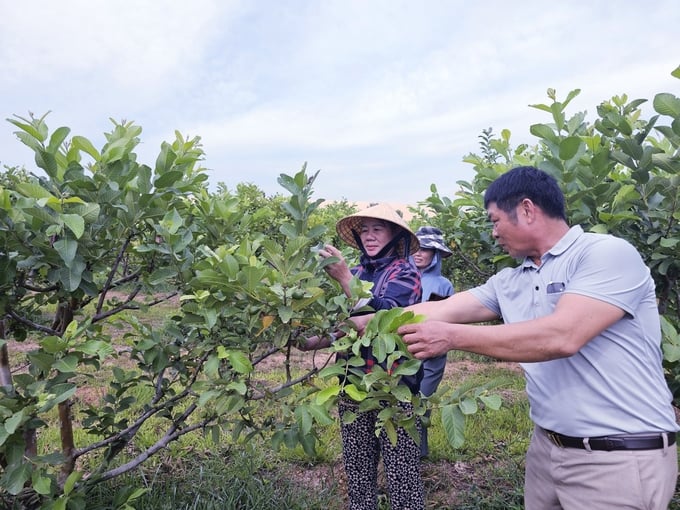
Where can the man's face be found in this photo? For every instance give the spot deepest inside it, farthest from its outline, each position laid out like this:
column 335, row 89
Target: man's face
column 508, row 230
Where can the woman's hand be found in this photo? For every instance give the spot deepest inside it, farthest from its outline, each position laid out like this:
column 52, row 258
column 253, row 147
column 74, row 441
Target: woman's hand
column 339, row 271
column 313, row 343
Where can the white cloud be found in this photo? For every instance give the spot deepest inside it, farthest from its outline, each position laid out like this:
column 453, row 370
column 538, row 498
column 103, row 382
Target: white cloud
column 376, row 93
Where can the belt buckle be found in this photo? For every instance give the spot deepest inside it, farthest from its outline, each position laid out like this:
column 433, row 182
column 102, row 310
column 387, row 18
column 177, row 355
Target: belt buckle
column 614, row 443
column 554, row 437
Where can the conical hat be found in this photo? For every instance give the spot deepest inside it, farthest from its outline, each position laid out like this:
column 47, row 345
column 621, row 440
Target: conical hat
column 346, row 225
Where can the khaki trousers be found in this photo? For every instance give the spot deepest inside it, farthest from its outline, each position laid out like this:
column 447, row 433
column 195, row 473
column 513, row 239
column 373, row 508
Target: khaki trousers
column 573, row 479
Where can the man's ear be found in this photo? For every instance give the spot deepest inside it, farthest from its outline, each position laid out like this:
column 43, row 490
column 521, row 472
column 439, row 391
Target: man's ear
column 528, row 209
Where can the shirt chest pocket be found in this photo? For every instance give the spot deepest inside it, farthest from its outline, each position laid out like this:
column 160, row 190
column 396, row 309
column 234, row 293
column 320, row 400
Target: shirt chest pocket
column 553, row 292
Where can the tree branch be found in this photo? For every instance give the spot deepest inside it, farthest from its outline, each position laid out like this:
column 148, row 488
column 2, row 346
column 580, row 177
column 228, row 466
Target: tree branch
column 33, row 325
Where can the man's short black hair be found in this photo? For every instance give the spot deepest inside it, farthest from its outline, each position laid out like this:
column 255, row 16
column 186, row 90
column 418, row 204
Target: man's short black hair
column 508, row 190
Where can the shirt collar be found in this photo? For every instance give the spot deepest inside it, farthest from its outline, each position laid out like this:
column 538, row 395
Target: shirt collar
column 560, row 246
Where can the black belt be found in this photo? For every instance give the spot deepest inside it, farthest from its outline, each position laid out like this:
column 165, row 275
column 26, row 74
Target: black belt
column 609, row 443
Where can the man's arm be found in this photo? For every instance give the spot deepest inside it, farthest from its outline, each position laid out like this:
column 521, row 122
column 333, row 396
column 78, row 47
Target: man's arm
column 575, row 321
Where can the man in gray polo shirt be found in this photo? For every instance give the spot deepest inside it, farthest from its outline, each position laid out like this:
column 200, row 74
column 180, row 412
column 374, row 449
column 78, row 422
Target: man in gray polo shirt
column 580, row 314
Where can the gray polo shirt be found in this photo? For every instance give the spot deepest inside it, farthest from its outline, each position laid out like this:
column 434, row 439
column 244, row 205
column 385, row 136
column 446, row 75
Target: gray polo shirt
column 615, row 383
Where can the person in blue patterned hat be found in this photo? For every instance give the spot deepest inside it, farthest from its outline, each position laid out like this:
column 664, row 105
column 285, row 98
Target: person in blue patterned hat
column 386, row 243
column 428, row 260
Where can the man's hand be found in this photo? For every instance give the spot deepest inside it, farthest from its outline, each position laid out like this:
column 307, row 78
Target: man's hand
column 427, row 339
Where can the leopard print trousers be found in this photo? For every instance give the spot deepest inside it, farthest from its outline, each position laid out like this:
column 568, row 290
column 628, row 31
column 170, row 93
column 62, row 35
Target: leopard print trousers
column 361, row 451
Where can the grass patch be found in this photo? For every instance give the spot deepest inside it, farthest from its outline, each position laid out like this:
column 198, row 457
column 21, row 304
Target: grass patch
column 233, row 479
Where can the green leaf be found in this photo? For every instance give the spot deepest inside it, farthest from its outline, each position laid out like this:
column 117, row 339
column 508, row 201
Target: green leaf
column 331, row 370
column 355, row 393
column 15, row 478
column 67, row 364
column 33, row 190
column 251, row 278
column 402, row 393
column 47, row 162
column 491, row 401
column 40, row 483
column 630, row 147
column 3, row 434
column 671, row 352
column 277, row 440
column 668, row 329
column 83, row 144
column 162, row 275
column 240, row 362
column 545, row 132
column 29, row 128
column 230, row 266
column 379, row 348
column 401, row 318
column 172, row 221
column 288, row 230
column 58, row 138
column 453, row 421
column 327, row 393
column 207, row 396
column 88, row 211
column 308, row 442
column 669, row 243
column 168, row 179
column 304, row 419
column 71, row 482
column 569, row 147
column 285, row 313
column 667, row 104
column 71, row 277
column 61, row 392
column 13, row 422
column 75, row 223
column 320, row 414
column 408, row 367
column 468, row 406
column 391, row 432
column 67, row 249
column 53, row 344
column 137, row 493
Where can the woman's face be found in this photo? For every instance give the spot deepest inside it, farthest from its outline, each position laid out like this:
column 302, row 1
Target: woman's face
column 375, row 234
column 423, row 257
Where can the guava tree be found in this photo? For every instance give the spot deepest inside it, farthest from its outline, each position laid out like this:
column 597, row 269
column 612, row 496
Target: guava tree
column 88, row 247
column 82, row 245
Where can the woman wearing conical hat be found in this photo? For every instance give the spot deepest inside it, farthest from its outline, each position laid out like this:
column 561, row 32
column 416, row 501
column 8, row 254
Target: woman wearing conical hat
column 386, row 244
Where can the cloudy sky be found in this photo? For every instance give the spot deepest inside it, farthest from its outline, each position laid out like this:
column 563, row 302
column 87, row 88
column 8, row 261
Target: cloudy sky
column 385, row 98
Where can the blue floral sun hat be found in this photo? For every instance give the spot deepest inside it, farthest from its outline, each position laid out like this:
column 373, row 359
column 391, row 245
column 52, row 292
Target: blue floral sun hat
column 431, row 238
